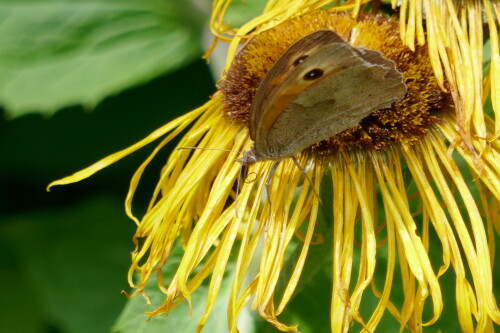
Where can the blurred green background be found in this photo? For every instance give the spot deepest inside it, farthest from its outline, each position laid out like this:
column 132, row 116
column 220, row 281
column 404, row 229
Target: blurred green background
column 80, row 80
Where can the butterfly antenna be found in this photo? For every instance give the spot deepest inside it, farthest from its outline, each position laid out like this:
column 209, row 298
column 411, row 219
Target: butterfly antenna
column 202, row 148
column 238, row 182
column 269, row 179
column 294, row 159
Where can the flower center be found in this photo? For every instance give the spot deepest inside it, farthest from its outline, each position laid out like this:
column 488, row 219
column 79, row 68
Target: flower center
column 405, row 121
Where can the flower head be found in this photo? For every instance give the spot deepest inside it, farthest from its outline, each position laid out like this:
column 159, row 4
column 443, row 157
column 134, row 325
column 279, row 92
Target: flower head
column 392, row 180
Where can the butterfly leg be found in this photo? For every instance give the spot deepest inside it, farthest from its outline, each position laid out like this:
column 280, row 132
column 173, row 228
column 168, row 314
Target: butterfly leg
column 238, row 182
column 269, row 179
column 294, row 159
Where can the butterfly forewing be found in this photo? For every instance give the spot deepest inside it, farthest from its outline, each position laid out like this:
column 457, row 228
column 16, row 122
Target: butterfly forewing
column 332, row 89
column 279, row 72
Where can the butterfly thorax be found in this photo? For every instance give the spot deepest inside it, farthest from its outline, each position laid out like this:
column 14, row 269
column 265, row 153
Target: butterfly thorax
column 252, row 155
column 320, row 87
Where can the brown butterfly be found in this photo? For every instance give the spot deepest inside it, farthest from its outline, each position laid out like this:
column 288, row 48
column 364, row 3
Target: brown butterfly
column 318, row 88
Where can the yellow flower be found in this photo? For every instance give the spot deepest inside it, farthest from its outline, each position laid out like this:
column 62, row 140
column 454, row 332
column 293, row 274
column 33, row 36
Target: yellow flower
column 394, row 179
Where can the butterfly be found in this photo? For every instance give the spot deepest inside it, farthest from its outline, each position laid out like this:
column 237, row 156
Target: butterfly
column 316, row 89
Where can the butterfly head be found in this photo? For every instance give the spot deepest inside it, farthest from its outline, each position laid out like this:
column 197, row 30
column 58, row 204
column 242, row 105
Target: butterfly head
column 250, row 156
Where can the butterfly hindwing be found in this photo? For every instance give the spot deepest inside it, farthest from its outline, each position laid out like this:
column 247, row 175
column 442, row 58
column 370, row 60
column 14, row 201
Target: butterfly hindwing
column 314, row 92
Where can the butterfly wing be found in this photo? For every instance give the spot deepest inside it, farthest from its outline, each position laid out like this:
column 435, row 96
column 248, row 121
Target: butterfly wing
column 331, row 90
column 288, row 61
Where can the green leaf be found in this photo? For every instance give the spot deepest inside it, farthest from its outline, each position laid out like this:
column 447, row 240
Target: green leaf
column 61, row 53
column 309, row 307
column 71, row 262
column 241, row 11
column 314, row 288
column 133, row 319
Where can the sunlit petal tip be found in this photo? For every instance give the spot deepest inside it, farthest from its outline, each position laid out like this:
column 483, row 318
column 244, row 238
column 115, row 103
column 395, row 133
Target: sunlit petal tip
column 395, row 203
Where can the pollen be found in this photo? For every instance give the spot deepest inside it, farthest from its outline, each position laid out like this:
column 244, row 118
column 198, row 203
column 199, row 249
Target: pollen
column 405, row 121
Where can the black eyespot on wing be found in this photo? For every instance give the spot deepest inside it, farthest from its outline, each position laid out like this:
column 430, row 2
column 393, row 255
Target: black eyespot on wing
column 313, row 74
column 300, row 60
